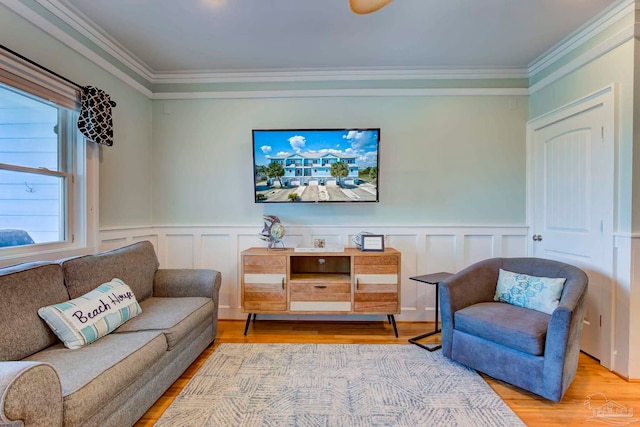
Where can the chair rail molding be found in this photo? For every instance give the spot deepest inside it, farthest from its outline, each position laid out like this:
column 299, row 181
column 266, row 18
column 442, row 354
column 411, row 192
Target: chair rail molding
column 425, row 249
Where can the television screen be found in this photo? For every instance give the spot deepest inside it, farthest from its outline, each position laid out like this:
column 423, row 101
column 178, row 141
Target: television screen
column 315, row 165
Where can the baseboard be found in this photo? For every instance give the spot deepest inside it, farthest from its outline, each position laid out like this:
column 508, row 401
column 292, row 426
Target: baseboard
column 627, row 379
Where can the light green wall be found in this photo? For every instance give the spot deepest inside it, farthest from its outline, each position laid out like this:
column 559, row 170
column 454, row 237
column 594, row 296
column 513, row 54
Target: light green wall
column 443, row 160
column 615, row 67
column 125, row 168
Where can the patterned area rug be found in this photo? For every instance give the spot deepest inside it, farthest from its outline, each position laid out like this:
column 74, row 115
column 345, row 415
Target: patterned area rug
column 335, row 385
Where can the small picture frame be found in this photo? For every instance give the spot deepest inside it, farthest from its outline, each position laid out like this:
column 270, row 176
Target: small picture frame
column 372, row 242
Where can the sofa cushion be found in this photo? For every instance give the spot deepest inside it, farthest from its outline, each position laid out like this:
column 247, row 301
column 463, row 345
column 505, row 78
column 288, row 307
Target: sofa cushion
column 537, row 293
column 92, row 375
column 83, row 320
column 511, row 326
column 24, row 289
column 176, row 317
column 135, row 265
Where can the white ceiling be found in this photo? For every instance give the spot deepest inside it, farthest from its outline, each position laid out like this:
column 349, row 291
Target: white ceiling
column 167, row 36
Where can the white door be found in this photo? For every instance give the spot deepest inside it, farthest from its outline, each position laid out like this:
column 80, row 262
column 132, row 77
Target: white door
column 572, row 206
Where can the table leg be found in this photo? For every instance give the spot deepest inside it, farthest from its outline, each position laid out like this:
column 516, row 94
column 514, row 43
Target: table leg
column 392, row 320
column 437, row 330
column 437, row 306
column 246, row 326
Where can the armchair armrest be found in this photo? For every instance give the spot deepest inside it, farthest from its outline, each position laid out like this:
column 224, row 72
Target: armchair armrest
column 562, row 345
column 30, row 394
column 474, row 284
column 187, row 283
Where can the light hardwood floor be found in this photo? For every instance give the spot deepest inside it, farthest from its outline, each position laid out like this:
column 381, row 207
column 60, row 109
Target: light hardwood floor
column 534, row 411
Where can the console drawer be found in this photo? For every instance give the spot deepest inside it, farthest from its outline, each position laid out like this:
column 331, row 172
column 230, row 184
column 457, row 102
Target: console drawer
column 316, row 291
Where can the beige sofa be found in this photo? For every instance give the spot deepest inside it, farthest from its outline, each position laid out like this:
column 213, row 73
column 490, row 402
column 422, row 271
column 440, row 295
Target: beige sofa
column 114, row 380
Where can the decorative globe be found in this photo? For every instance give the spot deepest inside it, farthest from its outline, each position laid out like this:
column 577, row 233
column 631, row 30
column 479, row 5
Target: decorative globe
column 277, row 231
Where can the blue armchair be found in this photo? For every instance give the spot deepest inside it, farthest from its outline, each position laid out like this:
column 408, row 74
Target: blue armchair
column 524, row 347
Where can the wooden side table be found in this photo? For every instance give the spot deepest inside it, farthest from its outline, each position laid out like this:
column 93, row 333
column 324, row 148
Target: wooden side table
column 431, row 279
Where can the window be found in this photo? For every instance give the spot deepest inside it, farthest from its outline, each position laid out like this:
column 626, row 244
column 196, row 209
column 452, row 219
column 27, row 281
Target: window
column 36, row 149
column 46, row 168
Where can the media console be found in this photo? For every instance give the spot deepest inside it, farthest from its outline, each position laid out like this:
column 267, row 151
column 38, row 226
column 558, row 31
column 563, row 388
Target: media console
column 349, row 282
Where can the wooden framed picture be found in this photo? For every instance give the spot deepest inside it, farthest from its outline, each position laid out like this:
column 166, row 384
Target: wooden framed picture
column 372, row 242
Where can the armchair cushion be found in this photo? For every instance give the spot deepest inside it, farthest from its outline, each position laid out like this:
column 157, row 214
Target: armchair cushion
column 537, row 293
column 505, row 324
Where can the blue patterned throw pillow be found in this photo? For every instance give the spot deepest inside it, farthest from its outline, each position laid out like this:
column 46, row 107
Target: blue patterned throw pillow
column 537, row 293
column 83, row 320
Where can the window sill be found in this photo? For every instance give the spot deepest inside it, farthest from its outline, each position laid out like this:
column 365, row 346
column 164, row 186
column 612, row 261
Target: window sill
column 43, row 252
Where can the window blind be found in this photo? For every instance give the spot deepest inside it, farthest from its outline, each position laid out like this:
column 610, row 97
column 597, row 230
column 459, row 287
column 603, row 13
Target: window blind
column 16, row 72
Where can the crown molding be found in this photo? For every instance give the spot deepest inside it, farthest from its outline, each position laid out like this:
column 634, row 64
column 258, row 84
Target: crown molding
column 323, row 93
column 602, row 48
column 50, row 28
column 266, row 76
column 89, row 29
column 581, row 36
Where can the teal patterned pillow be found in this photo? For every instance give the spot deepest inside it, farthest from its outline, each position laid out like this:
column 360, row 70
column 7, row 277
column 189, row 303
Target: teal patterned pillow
column 83, row 320
column 537, row 293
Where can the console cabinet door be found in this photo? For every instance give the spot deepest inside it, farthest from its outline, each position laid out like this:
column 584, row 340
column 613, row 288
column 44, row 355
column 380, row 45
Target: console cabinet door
column 377, row 284
column 264, row 283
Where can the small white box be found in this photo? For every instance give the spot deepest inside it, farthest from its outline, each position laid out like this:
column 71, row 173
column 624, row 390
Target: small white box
column 328, row 248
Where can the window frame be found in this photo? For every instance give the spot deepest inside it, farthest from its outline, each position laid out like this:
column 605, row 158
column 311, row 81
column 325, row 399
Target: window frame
column 80, row 220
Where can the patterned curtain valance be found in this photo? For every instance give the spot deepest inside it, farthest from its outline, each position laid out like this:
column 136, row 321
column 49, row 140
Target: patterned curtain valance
column 95, row 121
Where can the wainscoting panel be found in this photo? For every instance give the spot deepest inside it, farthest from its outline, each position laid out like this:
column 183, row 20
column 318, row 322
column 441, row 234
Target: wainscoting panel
column 626, row 306
column 477, row 247
column 179, row 250
column 439, row 254
column 425, row 249
column 215, row 254
column 407, row 245
column 329, row 239
column 110, row 244
column 153, row 238
column 117, row 238
column 514, row 246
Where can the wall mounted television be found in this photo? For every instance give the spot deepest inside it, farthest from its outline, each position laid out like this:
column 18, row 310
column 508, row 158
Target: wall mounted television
column 316, row 165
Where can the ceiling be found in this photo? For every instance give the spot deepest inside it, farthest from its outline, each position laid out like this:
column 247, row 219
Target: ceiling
column 166, row 36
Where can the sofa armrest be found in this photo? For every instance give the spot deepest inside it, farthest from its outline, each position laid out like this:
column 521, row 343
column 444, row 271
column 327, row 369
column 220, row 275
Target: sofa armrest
column 30, row 394
column 187, row 283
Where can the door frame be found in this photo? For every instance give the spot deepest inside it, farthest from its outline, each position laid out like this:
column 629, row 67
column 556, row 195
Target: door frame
column 604, row 97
